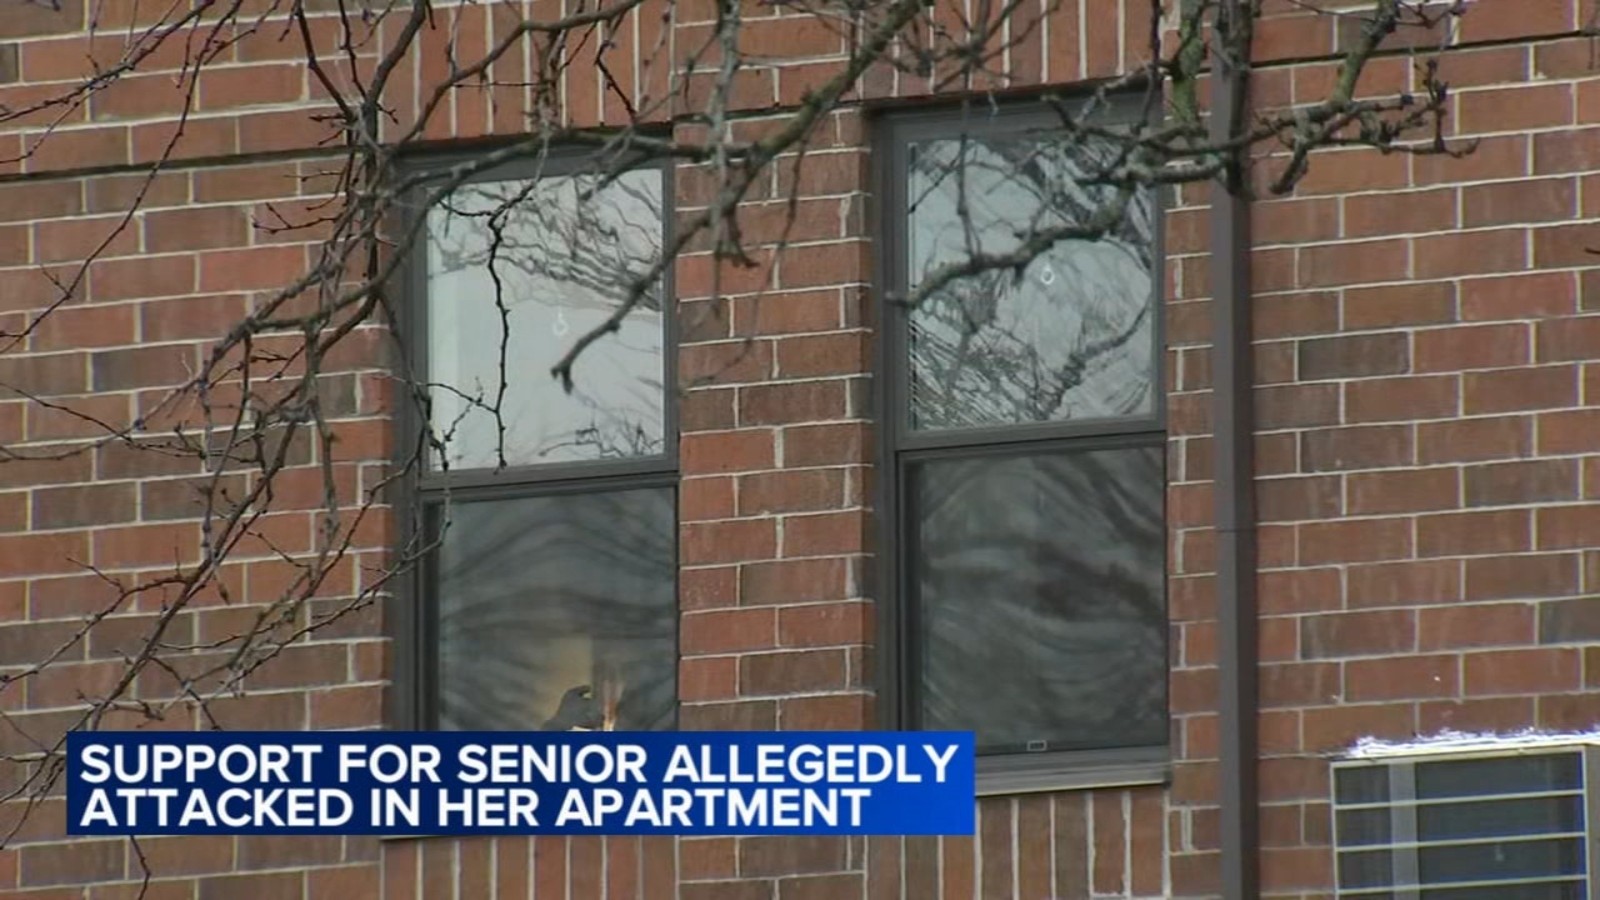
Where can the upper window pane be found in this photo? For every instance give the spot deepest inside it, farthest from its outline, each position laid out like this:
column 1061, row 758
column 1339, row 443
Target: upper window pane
column 559, row 613
column 1071, row 338
column 531, row 266
column 1040, row 598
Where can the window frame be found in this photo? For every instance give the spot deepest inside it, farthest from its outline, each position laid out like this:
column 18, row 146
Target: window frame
column 413, row 614
column 900, row 446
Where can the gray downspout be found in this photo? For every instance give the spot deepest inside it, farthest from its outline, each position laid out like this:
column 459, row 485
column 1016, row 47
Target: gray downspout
column 1233, row 392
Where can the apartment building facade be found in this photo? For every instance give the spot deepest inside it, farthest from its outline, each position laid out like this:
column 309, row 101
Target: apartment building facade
column 793, row 540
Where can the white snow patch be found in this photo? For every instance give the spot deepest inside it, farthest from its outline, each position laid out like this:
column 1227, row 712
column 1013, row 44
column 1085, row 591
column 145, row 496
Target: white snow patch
column 1465, row 742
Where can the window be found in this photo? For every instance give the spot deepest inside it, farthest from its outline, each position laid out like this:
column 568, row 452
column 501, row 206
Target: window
column 549, row 600
column 1024, row 584
column 1510, row 824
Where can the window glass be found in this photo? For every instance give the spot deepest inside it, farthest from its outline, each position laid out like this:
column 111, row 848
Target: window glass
column 1501, row 861
column 1070, row 337
column 1509, row 775
column 1039, row 598
column 529, row 267
column 1493, row 818
column 559, row 613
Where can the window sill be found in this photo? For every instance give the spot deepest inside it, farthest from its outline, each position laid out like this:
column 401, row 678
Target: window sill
column 1073, row 771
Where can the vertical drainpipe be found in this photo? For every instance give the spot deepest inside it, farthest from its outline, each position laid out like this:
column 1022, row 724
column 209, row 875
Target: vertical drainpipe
column 1233, row 429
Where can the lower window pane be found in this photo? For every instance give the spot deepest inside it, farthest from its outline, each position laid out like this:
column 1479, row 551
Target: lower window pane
column 1040, row 608
column 558, row 613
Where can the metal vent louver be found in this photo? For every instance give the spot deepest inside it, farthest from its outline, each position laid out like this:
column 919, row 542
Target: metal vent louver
column 1493, row 825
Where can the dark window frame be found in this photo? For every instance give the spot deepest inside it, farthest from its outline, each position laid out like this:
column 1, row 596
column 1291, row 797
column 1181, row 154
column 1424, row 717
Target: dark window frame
column 413, row 607
column 900, row 446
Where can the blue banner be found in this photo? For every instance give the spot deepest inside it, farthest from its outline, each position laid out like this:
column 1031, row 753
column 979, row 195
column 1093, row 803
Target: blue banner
column 458, row 783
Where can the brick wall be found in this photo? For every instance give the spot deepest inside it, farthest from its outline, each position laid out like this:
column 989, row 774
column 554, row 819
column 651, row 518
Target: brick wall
column 1428, row 412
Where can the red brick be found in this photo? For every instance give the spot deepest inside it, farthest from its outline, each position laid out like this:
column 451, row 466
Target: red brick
column 1503, row 19
column 701, row 499
column 1566, row 339
column 1293, row 499
column 1477, row 625
column 708, row 588
column 1472, row 347
column 1568, row 527
column 1295, row 406
column 1339, row 727
column 814, row 356
column 258, row 268
column 1521, row 671
column 1504, row 715
column 226, row 88
column 191, row 317
column 1516, row 577
column 73, row 863
column 300, row 129
column 792, row 402
column 1295, row 315
column 1393, row 213
column 1397, row 305
column 706, row 410
column 77, row 240
column 1567, row 712
column 792, row 672
column 828, row 444
column 825, row 624
column 1357, row 634
column 1473, row 440
column 726, row 631
column 772, row 856
column 1503, row 203
column 203, row 228
column 1508, row 390
column 1362, row 447
column 38, row 554
column 728, row 541
column 1518, row 296
column 1399, row 399
column 1561, row 246
column 1519, row 108
column 1531, row 481
column 725, row 363
column 1404, row 583
column 798, row 490
column 1401, row 678
column 1475, row 533
column 1341, row 171
column 252, row 887
column 142, row 277
column 794, row 581
column 788, row 313
column 708, row 678
column 726, row 451
column 1354, row 356
column 1404, row 490
column 1470, row 253
column 1299, row 684
column 824, row 534
column 1364, row 540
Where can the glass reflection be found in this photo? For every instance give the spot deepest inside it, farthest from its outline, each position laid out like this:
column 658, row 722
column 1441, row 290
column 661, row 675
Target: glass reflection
column 559, row 613
column 560, row 256
column 1040, row 598
column 1068, row 338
